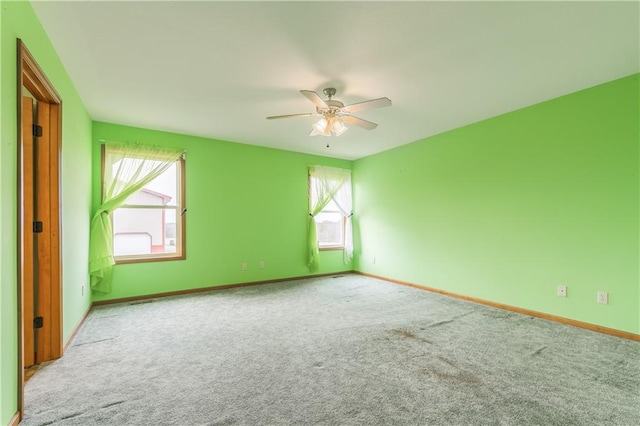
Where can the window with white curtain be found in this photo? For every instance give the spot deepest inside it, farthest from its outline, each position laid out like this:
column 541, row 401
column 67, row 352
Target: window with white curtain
column 330, row 210
column 149, row 224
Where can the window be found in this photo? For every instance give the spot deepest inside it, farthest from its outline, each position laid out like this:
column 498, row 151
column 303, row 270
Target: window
column 330, row 211
column 330, row 227
column 149, row 224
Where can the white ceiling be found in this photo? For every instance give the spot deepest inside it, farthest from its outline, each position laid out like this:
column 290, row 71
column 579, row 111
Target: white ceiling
column 217, row 69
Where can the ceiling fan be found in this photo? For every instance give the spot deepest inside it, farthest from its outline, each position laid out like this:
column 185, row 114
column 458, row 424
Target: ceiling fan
column 335, row 114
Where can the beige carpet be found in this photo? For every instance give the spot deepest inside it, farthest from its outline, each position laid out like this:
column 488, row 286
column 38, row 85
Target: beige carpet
column 333, row 351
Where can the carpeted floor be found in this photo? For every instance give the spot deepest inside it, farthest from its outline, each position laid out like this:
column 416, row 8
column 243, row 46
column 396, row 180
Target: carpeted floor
column 333, row 351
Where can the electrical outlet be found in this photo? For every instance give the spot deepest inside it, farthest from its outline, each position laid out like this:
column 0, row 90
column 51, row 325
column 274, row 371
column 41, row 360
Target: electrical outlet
column 374, row 260
column 82, row 290
column 603, row 297
column 262, row 264
column 562, row 290
column 244, row 266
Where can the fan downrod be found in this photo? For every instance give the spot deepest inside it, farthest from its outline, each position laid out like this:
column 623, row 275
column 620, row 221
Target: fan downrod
column 329, row 92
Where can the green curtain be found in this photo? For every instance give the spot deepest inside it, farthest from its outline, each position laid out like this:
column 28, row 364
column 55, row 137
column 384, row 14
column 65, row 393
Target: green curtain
column 127, row 169
column 324, row 183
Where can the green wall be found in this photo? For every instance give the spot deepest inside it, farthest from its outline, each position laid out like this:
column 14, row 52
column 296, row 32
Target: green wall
column 19, row 21
column 245, row 204
column 5, row 340
column 508, row 208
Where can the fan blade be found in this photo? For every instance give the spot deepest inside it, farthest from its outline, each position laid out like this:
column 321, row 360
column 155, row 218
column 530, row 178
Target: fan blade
column 373, row 103
column 359, row 122
column 313, row 97
column 306, row 114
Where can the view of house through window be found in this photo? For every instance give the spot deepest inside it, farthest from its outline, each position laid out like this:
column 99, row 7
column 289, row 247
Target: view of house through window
column 148, row 224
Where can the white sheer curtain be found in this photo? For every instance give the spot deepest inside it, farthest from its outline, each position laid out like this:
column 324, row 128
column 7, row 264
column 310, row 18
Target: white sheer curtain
column 344, row 201
column 326, row 184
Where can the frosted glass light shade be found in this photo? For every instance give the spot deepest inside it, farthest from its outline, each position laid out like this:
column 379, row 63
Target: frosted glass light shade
column 338, row 127
column 321, row 128
column 328, row 127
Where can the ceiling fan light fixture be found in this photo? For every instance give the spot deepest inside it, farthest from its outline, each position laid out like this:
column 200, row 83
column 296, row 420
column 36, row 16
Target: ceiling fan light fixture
column 328, row 126
column 321, row 128
column 338, row 127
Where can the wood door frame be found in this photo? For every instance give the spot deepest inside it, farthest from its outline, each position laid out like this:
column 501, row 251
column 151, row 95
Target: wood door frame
column 31, row 76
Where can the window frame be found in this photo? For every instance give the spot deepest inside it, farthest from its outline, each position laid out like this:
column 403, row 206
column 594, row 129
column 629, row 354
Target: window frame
column 181, row 252
column 326, row 247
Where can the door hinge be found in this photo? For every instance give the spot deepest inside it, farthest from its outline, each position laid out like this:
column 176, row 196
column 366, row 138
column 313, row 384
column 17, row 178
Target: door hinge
column 38, row 322
column 37, row 227
column 37, row 131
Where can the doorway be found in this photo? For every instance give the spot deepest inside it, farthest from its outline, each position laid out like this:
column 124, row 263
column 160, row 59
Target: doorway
column 39, row 248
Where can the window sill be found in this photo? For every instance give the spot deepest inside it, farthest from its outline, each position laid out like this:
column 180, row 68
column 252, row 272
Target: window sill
column 329, row 248
column 132, row 259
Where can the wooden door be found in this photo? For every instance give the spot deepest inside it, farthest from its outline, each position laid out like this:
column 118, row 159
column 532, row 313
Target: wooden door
column 28, row 259
column 37, row 263
column 43, row 260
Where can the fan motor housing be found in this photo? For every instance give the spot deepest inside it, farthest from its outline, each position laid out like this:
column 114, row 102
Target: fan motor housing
column 334, row 107
column 334, row 104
